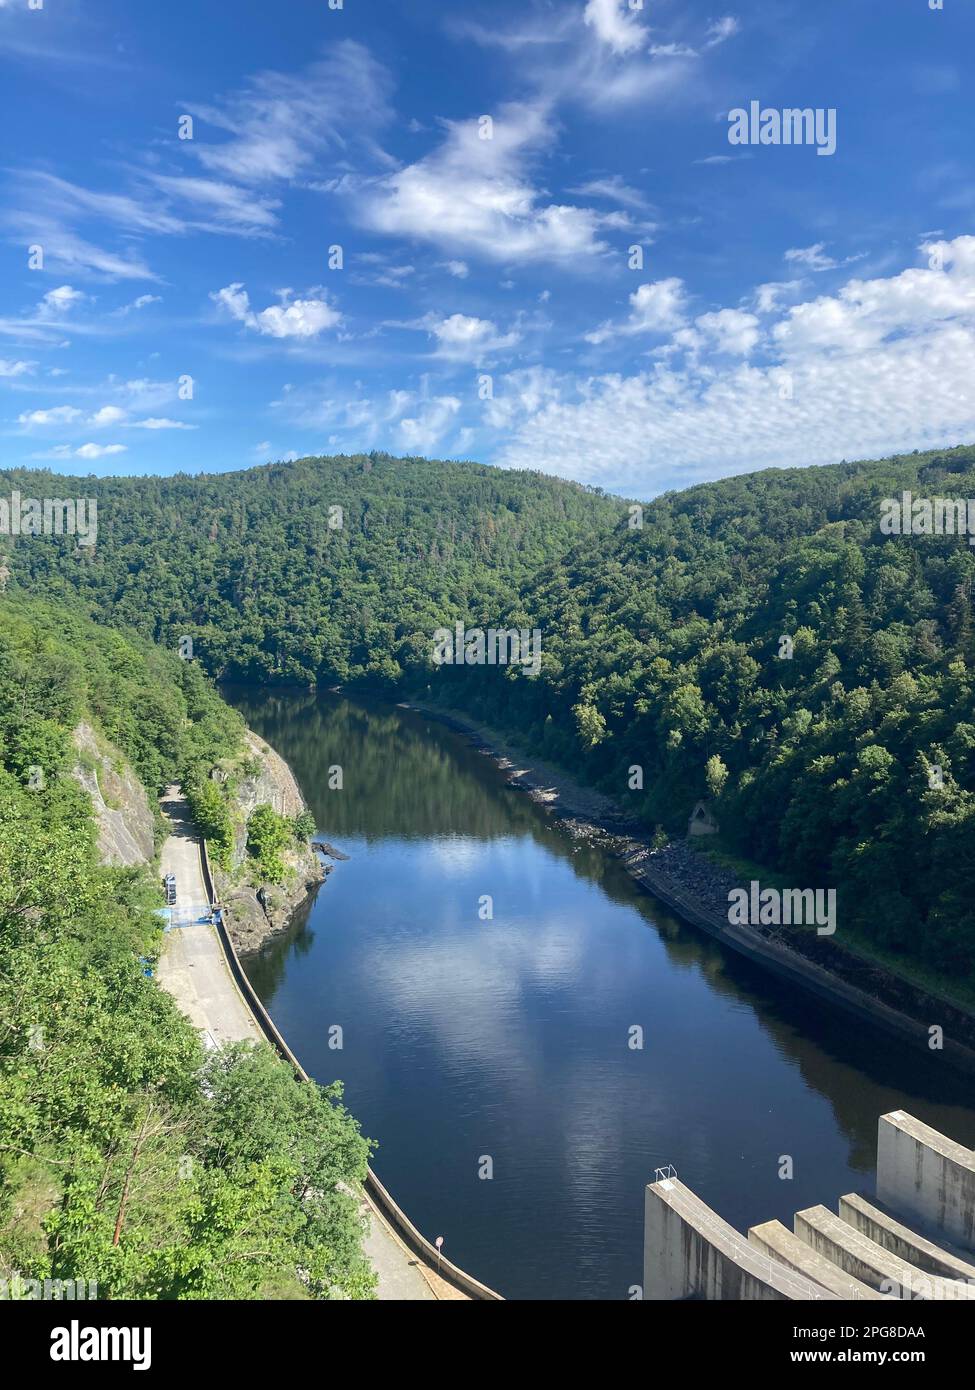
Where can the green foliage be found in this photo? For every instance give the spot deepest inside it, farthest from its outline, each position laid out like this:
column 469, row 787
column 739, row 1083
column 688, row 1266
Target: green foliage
column 715, row 775
column 663, row 647
column 268, row 835
column 249, row 566
column 213, row 817
column 127, row 1157
column 304, row 826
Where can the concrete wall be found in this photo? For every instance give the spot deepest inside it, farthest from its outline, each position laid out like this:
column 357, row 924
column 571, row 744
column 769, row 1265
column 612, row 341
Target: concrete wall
column 689, row 1252
column 893, row 1235
column 926, row 1178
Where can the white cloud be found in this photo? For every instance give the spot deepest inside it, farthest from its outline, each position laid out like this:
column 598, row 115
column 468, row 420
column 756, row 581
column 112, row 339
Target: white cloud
column 654, row 308
column 522, row 394
column 459, row 269
column 884, row 366
column 292, row 318
column 68, row 253
column 391, row 277
column 161, row 423
column 815, row 257
column 721, row 29
column 107, row 415
column 473, row 196
column 97, row 451
column 468, row 339
column 615, row 190
column 767, row 296
column 231, row 209
column 420, row 434
column 280, row 122
column 865, row 312
column 57, row 302
column 57, row 195
column 142, row 302
column 730, row 331
column 615, row 25
column 84, row 451
column 57, row 415
column 11, row 368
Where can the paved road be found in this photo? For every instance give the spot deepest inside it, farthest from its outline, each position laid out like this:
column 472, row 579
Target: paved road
column 194, row 971
column 193, row 968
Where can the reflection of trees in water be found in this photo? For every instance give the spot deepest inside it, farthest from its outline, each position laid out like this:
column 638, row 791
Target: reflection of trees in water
column 406, row 776
column 851, row 1063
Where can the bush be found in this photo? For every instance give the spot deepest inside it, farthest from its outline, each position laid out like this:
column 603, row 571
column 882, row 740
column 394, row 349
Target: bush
column 268, row 835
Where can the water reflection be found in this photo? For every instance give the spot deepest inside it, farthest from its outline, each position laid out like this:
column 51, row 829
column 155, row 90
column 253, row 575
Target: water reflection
column 508, row 1037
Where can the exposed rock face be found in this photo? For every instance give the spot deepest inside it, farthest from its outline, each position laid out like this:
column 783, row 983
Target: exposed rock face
column 119, row 800
column 259, row 913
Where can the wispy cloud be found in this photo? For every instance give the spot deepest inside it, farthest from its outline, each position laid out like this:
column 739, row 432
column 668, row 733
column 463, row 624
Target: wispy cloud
column 719, row 30
column 280, row 123
column 614, row 189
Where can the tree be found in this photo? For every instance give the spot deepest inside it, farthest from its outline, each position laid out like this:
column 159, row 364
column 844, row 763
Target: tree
column 715, row 775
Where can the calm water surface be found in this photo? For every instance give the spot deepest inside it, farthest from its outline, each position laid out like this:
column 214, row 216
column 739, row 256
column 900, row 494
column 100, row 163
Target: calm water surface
column 508, row 1038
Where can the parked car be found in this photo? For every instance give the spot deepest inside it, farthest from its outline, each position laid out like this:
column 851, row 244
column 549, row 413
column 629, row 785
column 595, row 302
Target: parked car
column 169, row 884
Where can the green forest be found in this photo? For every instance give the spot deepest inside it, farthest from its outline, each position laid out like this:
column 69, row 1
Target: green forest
column 127, row 1154
column 849, row 763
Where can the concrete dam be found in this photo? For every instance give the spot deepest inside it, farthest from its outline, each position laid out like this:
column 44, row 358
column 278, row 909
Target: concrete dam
column 914, row 1240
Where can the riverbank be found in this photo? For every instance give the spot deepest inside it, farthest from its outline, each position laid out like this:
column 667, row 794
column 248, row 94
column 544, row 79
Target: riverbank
column 696, row 889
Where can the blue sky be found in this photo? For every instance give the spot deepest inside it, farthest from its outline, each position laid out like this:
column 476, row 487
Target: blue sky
column 791, row 307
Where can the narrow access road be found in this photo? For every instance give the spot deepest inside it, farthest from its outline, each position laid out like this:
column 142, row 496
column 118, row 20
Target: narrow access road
column 194, row 971
column 192, row 968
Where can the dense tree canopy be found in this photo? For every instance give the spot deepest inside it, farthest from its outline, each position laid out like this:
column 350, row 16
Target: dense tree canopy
column 758, row 641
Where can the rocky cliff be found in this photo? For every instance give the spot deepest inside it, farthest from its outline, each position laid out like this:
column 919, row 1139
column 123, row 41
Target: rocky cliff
column 257, row 912
column 119, row 800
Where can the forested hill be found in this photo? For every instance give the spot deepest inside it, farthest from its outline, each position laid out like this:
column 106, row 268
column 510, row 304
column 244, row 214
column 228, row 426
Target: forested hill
column 324, row 569
column 848, row 761
column 843, row 757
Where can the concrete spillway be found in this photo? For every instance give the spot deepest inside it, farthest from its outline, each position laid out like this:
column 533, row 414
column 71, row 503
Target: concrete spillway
column 880, row 1226
column 898, row 1247
column 690, row 1252
column 858, row 1255
column 778, row 1243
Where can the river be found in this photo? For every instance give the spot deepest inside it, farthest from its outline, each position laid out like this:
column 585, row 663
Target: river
column 476, row 1043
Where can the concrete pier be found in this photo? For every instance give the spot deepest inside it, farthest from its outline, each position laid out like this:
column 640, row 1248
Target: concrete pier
column 690, row 1252
column 857, row 1255
column 927, row 1177
column 882, row 1228
column 778, row 1243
